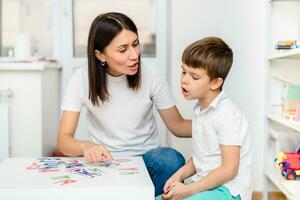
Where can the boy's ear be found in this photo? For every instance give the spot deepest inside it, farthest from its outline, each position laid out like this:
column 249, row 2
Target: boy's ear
column 99, row 55
column 216, row 83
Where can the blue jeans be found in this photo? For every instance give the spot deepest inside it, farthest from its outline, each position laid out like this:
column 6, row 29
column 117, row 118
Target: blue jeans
column 161, row 163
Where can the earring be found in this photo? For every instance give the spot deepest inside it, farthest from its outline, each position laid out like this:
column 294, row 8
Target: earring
column 102, row 63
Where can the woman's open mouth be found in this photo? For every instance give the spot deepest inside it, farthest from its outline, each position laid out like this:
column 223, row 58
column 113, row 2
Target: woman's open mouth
column 134, row 66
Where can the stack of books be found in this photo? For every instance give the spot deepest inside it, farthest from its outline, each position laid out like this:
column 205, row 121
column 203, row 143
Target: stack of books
column 286, row 44
column 290, row 99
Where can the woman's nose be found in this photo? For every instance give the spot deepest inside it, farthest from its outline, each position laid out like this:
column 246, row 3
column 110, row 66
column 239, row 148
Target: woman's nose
column 134, row 53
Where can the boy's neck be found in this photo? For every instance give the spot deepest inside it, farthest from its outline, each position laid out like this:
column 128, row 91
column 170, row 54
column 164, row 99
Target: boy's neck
column 206, row 101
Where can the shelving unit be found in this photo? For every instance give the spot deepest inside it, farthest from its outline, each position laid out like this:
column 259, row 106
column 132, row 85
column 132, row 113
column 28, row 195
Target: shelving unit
column 282, row 133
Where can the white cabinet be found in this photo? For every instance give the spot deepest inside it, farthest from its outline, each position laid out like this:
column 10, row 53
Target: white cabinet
column 34, row 106
column 282, row 133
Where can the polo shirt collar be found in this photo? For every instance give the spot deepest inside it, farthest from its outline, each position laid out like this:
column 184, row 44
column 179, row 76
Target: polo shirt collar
column 213, row 104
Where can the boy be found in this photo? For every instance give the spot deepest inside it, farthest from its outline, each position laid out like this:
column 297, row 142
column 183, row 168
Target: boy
column 221, row 160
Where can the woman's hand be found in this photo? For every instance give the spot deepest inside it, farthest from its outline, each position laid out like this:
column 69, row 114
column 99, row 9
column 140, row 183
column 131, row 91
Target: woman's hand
column 93, row 152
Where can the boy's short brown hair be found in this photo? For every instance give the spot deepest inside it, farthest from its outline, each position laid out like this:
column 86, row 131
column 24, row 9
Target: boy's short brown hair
column 211, row 54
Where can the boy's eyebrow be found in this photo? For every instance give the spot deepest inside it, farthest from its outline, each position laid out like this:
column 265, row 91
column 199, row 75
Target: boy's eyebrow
column 192, row 73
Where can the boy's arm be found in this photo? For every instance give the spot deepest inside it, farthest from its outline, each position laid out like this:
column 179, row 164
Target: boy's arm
column 221, row 175
column 175, row 123
column 187, row 170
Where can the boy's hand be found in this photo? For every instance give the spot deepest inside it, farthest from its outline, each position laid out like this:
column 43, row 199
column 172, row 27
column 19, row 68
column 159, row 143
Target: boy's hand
column 93, row 152
column 169, row 184
column 177, row 191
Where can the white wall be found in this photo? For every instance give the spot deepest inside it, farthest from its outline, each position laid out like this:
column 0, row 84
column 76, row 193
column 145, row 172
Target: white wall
column 242, row 24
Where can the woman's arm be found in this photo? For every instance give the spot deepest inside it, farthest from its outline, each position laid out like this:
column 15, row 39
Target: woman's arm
column 66, row 142
column 70, row 146
column 175, row 123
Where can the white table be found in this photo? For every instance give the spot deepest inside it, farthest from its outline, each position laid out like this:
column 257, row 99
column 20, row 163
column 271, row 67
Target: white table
column 30, row 179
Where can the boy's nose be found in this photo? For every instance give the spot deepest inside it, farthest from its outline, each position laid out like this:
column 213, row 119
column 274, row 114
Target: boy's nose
column 184, row 79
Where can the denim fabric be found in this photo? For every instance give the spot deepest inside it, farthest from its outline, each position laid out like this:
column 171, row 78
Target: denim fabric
column 161, row 163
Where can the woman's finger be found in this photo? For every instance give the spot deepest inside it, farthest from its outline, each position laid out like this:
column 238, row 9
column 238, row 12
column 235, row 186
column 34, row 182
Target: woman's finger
column 87, row 157
column 99, row 156
column 106, row 154
column 94, row 156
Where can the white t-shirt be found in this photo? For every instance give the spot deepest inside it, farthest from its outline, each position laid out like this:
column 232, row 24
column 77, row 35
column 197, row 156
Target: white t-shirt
column 221, row 123
column 124, row 124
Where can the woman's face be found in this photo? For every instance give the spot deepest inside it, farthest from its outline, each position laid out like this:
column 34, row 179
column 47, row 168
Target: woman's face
column 122, row 54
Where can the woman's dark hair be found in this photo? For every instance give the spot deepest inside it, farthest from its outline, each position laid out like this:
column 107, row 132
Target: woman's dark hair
column 103, row 30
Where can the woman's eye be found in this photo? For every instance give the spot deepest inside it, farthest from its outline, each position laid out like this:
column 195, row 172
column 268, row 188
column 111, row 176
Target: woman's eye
column 122, row 50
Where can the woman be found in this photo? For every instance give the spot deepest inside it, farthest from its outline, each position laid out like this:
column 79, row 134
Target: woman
column 119, row 95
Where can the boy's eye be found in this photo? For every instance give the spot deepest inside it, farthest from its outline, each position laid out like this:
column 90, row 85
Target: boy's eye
column 195, row 78
column 183, row 72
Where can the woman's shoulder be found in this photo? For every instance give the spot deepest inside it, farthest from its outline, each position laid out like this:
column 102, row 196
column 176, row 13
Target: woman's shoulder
column 79, row 77
column 147, row 69
column 150, row 72
column 80, row 73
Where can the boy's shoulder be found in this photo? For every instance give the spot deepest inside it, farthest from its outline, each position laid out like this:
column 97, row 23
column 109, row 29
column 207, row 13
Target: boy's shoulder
column 226, row 108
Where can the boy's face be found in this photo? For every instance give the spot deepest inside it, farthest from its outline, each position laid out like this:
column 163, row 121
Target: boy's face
column 195, row 83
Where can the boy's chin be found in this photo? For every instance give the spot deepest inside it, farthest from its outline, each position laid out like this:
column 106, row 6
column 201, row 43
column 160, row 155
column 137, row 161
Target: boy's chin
column 188, row 97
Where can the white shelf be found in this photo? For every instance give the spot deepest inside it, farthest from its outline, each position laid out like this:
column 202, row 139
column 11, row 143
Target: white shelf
column 285, row 186
column 282, row 133
column 276, row 116
column 285, row 54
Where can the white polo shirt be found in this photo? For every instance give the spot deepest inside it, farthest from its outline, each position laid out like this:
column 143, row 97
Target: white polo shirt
column 221, row 123
column 124, row 124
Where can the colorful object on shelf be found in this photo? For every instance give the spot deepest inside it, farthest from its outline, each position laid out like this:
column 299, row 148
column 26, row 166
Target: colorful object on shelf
column 291, row 91
column 289, row 164
column 297, row 118
column 290, row 99
column 286, row 44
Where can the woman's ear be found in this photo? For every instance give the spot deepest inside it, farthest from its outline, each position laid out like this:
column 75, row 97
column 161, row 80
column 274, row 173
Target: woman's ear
column 99, row 55
column 216, row 83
